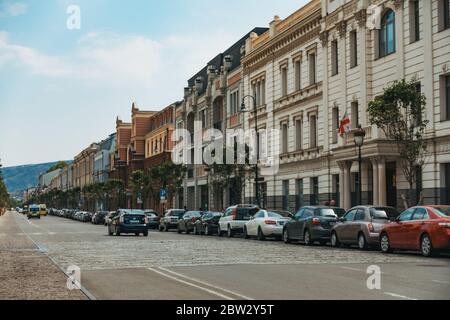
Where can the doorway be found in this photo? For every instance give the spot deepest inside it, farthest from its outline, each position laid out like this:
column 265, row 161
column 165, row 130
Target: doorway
column 391, row 184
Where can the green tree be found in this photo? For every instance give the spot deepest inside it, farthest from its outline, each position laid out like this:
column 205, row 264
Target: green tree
column 114, row 189
column 139, row 182
column 58, row 165
column 398, row 112
column 168, row 176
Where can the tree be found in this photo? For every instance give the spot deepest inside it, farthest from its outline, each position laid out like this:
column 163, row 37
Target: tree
column 114, row 188
column 398, row 112
column 58, row 165
column 139, row 181
column 167, row 176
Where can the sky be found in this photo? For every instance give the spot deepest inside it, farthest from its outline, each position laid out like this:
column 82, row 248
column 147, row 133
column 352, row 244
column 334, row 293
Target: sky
column 62, row 87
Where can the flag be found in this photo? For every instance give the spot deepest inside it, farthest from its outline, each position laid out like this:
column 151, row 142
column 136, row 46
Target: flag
column 345, row 125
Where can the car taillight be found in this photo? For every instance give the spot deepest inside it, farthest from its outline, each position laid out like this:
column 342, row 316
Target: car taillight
column 444, row 224
column 371, row 228
column 316, row 221
column 234, row 213
column 270, row 222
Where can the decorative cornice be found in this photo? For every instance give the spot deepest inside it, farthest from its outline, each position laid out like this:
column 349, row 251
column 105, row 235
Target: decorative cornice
column 361, row 17
column 323, row 37
column 341, row 27
column 398, row 4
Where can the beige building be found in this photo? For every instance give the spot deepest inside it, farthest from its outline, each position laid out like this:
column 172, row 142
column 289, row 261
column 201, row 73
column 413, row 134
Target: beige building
column 83, row 167
column 324, row 61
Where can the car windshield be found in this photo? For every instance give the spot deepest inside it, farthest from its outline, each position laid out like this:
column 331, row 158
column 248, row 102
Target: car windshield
column 150, row 214
column 141, row 212
column 177, row 213
column 382, row 213
column 328, row 212
column 442, row 211
column 274, row 215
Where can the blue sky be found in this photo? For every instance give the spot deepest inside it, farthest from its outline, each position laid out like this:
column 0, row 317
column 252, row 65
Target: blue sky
column 62, row 89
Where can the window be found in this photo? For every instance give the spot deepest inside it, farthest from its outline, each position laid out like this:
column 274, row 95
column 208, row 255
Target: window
column 335, row 124
column 314, row 191
column 313, row 131
column 350, row 215
column 353, row 49
column 204, row 118
column 355, row 114
column 263, row 92
column 234, row 102
column 414, row 22
column 285, row 194
column 360, row 215
column 299, row 192
column 445, row 97
column 407, row 215
column 284, row 138
column 334, row 58
column 298, row 134
column 284, row 81
column 387, row 34
column 299, row 214
column 445, row 184
column 312, row 68
column 444, row 14
column 420, row 214
column 298, row 75
column 308, row 213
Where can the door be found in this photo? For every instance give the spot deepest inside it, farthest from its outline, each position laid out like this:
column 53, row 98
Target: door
column 294, row 226
column 415, row 227
column 343, row 229
column 391, row 185
column 355, row 226
column 398, row 229
column 257, row 220
column 307, row 216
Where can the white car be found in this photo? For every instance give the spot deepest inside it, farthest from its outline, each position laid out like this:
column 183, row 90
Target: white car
column 265, row 224
column 234, row 219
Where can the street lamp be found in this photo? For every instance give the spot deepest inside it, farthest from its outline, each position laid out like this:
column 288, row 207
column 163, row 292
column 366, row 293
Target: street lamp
column 255, row 111
column 359, row 135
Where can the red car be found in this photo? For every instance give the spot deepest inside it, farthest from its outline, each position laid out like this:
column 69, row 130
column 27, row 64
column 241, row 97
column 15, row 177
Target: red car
column 425, row 229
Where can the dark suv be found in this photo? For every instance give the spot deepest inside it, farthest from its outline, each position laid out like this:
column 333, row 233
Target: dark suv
column 128, row 221
column 170, row 219
column 311, row 224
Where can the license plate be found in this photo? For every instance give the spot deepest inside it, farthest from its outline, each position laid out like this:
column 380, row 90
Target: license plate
column 134, row 221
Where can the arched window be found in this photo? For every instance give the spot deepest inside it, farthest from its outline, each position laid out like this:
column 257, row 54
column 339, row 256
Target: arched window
column 387, row 34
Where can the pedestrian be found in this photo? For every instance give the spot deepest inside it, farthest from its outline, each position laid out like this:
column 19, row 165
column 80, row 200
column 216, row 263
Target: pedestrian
column 332, row 203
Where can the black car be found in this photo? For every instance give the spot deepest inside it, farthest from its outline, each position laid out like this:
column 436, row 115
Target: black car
column 208, row 224
column 99, row 217
column 170, row 219
column 86, row 216
column 187, row 222
column 311, row 224
column 128, row 221
column 153, row 219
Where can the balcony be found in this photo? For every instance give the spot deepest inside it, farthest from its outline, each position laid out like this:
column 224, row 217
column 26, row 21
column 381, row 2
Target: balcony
column 309, row 92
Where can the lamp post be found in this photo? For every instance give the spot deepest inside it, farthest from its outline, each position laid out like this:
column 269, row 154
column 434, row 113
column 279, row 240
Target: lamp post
column 207, row 171
column 255, row 111
column 359, row 135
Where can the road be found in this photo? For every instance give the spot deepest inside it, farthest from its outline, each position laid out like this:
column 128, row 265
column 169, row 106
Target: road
column 173, row 266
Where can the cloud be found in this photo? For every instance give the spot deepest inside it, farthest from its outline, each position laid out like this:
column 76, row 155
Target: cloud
column 12, row 9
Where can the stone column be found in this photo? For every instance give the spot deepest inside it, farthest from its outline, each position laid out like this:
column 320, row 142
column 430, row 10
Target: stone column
column 382, row 181
column 375, row 180
column 341, row 187
column 364, row 181
column 345, row 184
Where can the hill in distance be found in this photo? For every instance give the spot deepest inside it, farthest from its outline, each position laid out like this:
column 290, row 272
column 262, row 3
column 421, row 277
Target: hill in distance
column 20, row 178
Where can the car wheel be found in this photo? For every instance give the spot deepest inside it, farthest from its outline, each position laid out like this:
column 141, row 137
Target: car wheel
column 385, row 244
column 219, row 231
column 286, row 236
column 145, row 234
column 136, row 234
column 307, row 238
column 117, row 233
column 230, row 232
column 206, row 230
column 246, row 236
column 160, row 229
column 334, row 240
column 426, row 246
column 362, row 243
column 261, row 236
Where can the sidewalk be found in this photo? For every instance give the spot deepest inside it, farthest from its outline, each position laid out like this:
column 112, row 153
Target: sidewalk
column 25, row 272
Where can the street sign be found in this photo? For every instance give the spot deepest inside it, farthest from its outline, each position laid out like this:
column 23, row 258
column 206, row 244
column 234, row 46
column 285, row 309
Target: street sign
column 163, row 194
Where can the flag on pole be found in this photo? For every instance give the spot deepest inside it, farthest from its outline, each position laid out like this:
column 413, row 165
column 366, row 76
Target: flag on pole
column 345, row 125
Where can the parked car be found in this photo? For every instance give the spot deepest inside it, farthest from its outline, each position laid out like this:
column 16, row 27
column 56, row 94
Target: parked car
column 312, row 224
column 265, row 224
column 187, row 222
column 234, row 219
column 361, row 226
column 208, row 224
column 284, row 213
column 424, row 228
column 99, row 217
column 170, row 219
column 86, row 216
column 128, row 221
column 153, row 219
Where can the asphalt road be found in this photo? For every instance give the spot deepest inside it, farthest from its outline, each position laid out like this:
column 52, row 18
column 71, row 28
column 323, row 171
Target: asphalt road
column 173, row 266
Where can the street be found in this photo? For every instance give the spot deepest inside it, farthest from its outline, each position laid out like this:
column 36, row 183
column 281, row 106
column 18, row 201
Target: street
column 167, row 265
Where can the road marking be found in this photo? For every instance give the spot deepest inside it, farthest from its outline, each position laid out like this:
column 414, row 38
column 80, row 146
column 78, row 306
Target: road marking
column 206, row 284
column 399, row 296
column 441, row 281
column 352, row 269
column 191, row 284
